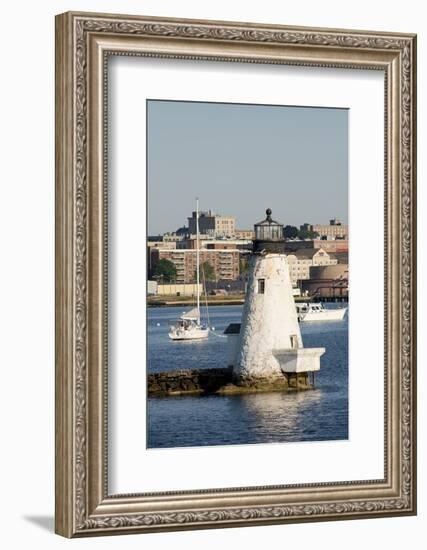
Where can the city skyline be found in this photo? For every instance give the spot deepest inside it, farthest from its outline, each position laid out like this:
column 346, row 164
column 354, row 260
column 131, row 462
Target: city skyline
column 240, row 227
column 241, row 159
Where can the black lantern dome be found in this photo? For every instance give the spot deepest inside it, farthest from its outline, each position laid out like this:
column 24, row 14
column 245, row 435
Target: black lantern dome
column 268, row 235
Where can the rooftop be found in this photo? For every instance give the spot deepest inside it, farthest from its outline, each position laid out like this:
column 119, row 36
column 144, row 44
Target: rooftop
column 306, row 252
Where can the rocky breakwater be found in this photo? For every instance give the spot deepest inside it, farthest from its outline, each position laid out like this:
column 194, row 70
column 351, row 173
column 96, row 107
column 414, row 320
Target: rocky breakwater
column 218, row 381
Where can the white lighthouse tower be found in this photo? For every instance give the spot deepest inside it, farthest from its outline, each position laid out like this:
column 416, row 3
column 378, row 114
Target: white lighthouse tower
column 267, row 347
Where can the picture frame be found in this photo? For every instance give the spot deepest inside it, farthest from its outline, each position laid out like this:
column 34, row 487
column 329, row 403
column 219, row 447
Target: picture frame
column 84, row 506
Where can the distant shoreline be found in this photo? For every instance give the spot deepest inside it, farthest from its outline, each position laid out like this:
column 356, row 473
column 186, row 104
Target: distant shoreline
column 216, row 301
column 213, row 301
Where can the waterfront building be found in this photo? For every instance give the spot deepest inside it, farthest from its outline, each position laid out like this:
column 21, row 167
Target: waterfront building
column 268, row 346
column 224, row 261
column 300, row 261
column 328, row 282
column 212, row 224
column 175, row 289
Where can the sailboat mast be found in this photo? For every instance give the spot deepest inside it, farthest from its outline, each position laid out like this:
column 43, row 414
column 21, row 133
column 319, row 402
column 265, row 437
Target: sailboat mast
column 197, row 260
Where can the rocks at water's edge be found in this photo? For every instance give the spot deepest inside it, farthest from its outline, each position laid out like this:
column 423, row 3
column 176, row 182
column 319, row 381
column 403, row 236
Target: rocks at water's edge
column 219, row 381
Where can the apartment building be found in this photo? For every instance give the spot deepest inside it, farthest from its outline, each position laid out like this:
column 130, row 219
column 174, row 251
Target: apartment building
column 224, row 261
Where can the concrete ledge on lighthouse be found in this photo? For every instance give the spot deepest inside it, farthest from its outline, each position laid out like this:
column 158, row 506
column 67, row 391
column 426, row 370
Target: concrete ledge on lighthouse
column 299, row 359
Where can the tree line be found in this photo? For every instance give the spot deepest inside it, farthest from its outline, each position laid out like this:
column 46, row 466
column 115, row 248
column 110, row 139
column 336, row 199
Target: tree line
column 292, row 232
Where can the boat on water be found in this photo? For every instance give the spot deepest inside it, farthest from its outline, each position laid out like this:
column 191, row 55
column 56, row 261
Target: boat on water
column 317, row 312
column 189, row 326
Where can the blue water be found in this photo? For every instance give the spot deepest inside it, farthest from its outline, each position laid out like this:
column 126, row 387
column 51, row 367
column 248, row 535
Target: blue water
column 315, row 415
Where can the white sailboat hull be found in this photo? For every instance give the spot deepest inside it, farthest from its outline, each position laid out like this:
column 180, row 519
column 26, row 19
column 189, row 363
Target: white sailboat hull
column 188, row 327
column 189, row 334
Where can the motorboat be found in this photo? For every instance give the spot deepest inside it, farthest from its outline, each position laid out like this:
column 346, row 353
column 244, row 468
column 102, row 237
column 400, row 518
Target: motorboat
column 307, row 311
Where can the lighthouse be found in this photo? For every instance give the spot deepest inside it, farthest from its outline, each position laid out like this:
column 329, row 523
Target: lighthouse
column 267, row 347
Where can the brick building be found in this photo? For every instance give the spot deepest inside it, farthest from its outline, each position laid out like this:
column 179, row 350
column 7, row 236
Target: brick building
column 224, row 261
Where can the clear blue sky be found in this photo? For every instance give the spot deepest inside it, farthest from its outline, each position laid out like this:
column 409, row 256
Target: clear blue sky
column 241, row 159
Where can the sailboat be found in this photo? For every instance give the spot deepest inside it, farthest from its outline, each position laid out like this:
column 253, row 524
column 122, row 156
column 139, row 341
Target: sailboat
column 188, row 326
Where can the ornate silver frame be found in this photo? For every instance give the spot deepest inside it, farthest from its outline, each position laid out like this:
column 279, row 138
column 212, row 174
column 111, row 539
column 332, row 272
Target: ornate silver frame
column 83, row 505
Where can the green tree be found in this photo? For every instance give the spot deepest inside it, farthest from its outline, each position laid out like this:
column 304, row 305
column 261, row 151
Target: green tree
column 165, row 270
column 306, row 234
column 207, row 271
column 290, row 232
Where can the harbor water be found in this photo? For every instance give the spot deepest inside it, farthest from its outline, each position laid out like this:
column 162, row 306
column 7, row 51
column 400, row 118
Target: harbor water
column 320, row 414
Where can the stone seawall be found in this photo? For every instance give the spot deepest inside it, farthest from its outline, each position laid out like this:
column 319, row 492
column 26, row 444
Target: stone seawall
column 219, row 381
column 188, row 381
